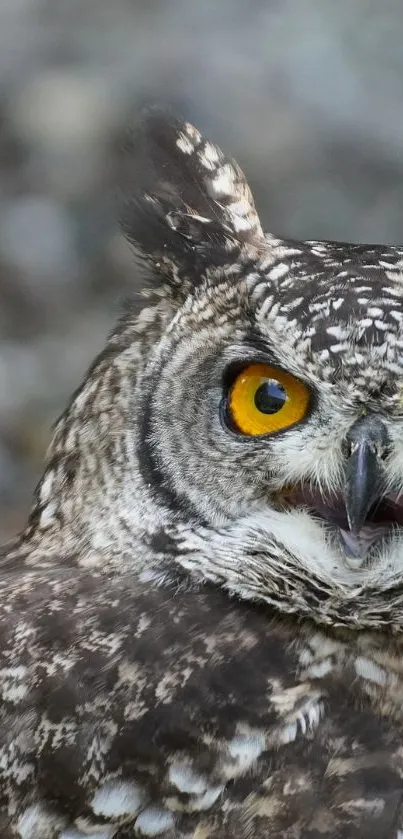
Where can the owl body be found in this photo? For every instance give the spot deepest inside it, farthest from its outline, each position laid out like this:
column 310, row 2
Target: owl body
column 201, row 625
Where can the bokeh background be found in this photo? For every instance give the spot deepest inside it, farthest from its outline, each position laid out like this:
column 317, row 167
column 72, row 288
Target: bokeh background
column 306, row 94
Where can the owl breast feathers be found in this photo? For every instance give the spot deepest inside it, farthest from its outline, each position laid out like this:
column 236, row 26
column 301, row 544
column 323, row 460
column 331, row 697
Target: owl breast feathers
column 201, row 624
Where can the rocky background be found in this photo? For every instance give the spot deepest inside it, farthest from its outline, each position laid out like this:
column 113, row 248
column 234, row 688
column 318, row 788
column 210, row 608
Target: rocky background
column 307, row 94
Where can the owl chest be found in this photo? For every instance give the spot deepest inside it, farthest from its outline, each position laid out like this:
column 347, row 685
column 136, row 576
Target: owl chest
column 369, row 669
column 214, row 716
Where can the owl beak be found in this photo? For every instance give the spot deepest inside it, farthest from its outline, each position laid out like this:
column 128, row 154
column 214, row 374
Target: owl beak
column 365, row 475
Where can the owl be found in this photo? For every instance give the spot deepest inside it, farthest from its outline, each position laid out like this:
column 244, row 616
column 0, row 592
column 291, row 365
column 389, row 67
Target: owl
column 201, row 623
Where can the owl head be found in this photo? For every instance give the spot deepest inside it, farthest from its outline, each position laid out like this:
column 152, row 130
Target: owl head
column 248, row 423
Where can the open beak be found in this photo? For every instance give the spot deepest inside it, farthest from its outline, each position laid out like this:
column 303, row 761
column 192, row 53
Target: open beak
column 365, row 482
column 365, row 477
column 365, row 512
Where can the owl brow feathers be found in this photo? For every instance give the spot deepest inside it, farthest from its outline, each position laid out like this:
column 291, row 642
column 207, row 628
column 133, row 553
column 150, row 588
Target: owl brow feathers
column 186, row 207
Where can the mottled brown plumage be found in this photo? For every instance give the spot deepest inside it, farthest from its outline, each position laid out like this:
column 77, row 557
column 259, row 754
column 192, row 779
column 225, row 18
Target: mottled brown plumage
column 194, row 644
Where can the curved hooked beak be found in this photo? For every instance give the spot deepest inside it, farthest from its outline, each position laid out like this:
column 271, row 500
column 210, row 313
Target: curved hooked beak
column 366, row 511
column 365, row 474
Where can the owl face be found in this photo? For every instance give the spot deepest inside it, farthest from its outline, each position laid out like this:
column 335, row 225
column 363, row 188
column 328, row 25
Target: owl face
column 270, row 409
column 273, row 407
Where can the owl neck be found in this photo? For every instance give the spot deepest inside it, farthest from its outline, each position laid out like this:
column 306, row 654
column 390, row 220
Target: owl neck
column 118, row 527
column 246, row 559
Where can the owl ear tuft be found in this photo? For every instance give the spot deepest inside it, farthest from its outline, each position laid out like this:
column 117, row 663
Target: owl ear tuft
column 187, row 207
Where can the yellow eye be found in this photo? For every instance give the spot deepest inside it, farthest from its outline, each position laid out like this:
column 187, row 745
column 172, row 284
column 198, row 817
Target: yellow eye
column 264, row 399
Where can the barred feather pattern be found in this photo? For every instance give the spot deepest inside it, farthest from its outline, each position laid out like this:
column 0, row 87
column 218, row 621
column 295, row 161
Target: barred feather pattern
column 181, row 655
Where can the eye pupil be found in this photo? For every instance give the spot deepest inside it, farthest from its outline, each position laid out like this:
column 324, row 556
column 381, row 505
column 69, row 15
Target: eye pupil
column 270, row 397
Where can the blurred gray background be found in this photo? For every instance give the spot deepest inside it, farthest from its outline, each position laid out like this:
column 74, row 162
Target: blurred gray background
column 306, row 94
